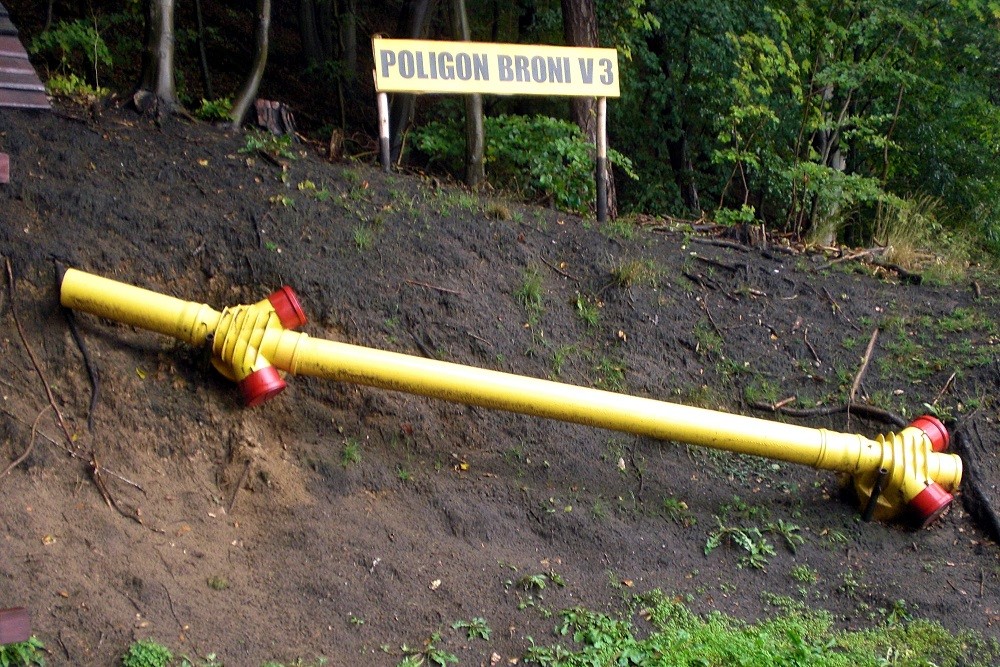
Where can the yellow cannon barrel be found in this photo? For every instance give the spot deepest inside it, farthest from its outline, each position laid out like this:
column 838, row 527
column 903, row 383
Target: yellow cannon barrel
column 250, row 343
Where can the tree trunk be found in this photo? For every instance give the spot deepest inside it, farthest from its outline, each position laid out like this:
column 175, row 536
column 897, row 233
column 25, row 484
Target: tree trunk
column 475, row 142
column 580, row 29
column 683, row 168
column 206, row 78
column 156, row 88
column 249, row 92
column 308, row 33
column 349, row 35
column 413, row 21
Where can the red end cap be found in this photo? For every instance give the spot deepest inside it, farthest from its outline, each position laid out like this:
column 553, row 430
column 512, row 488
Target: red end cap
column 261, row 386
column 935, row 430
column 929, row 503
column 286, row 305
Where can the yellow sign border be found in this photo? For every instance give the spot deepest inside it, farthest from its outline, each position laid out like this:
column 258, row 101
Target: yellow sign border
column 432, row 66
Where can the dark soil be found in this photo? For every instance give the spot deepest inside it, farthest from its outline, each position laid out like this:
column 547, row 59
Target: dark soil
column 254, row 538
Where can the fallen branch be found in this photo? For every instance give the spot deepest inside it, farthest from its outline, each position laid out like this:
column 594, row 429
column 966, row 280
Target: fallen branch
column 27, row 451
column 559, row 271
column 865, row 360
column 433, row 287
column 860, row 409
column 31, row 354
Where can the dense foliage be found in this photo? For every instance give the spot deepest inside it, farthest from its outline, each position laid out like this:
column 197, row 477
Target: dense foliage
column 827, row 117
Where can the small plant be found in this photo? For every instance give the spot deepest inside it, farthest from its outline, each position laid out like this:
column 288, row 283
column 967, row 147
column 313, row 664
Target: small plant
column 849, row 584
column 72, row 86
column 678, row 512
column 707, row 341
column 23, row 654
column 214, row 110
column 529, row 293
column 621, row 228
column 756, row 546
column 498, row 211
column 633, row 272
column 364, row 237
column 476, row 628
column 533, row 582
column 611, row 374
column 356, row 621
column 805, row 574
column 559, row 357
column 210, row 660
column 429, row 654
column 789, row 532
column 587, row 309
column 299, row 662
column 217, row 583
column 147, row 653
column 260, row 141
column 350, row 452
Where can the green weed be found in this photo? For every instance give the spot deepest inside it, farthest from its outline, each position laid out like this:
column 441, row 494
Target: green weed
column 261, row 141
column 588, row 309
column 364, row 237
column 214, row 110
column 805, row 574
column 633, row 272
column 756, row 547
column 429, row 654
column 350, row 452
column 476, row 628
column 147, row 653
column 23, row 654
column 529, row 293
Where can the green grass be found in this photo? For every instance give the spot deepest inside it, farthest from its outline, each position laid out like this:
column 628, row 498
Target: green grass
column 795, row 636
column 529, row 293
column 350, row 452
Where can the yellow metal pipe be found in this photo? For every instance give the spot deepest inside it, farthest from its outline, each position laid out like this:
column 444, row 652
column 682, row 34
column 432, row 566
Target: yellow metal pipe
column 249, row 342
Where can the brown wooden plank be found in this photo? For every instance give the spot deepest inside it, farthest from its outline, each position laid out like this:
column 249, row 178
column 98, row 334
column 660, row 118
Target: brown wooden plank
column 4, row 176
column 15, row 65
column 24, row 99
column 15, row 625
column 11, row 46
column 23, row 81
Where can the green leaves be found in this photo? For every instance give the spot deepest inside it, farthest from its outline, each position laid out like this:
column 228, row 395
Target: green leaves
column 23, row 654
column 537, row 156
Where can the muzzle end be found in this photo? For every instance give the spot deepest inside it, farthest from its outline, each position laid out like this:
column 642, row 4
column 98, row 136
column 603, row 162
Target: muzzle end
column 934, row 430
column 286, row 305
column 261, row 386
column 928, row 505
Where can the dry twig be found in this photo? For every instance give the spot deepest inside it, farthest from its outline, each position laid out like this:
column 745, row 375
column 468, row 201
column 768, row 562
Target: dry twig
column 31, row 354
column 433, row 287
column 31, row 444
column 861, row 373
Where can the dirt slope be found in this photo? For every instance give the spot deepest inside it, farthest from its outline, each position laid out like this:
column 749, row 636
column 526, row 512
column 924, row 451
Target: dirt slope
column 256, row 537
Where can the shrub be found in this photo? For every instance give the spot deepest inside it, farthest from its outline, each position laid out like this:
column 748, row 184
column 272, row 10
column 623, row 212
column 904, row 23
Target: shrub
column 538, row 156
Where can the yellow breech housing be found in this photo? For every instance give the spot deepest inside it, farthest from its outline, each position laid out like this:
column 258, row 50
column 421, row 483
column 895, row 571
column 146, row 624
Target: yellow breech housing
column 251, row 343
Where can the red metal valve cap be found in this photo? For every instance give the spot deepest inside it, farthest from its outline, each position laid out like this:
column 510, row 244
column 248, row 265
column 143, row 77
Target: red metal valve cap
column 261, row 386
column 929, row 503
column 935, row 430
column 286, row 305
